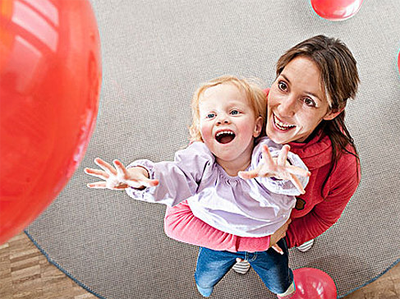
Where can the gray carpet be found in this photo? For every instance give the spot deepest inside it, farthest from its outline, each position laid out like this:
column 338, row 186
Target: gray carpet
column 154, row 55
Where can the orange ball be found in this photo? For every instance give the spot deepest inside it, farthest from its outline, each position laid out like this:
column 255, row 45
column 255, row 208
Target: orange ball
column 50, row 77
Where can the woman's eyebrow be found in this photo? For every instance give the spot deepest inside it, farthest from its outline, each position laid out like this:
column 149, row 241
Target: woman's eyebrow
column 286, row 78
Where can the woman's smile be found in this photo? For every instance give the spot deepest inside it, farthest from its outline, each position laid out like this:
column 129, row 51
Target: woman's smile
column 280, row 125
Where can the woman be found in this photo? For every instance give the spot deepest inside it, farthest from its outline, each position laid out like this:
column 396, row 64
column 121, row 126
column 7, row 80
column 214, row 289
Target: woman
column 305, row 109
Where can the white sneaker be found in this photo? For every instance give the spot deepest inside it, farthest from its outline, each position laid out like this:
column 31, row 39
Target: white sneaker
column 241, row 267
column 305, row 246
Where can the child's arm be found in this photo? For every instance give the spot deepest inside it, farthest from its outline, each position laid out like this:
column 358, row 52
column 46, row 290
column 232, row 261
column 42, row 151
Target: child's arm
column 118, row 177
column 168, row 182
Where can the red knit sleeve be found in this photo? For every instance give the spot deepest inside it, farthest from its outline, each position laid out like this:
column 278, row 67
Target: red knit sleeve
column 180, row 224
column 339, row 189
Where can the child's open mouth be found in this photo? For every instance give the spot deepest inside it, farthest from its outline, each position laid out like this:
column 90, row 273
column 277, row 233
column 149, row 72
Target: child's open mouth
column 225, row 136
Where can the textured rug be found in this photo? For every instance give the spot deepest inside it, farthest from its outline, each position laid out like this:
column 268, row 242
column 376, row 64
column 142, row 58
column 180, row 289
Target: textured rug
column 155, row 53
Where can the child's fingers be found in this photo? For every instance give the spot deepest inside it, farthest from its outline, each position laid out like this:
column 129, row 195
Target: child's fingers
column 105, row 166
column 104, row 185
column 297, row 171
column 97, row 173
column 297, row 184
column 121, row 170
column 97, row 185
column 247, row 175
column 282, row 157
column 267, row 155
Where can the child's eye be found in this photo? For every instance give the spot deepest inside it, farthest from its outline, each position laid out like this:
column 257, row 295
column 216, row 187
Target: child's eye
column 210, row 115
column 235, row 112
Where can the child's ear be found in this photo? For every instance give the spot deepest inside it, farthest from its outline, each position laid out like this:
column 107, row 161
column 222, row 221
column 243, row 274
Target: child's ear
column 258, row 127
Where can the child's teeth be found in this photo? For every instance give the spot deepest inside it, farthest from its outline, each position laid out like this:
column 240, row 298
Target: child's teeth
column 224, row 132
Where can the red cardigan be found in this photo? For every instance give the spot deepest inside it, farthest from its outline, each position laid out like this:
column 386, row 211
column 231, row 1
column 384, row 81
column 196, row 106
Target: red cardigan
column 312, row 216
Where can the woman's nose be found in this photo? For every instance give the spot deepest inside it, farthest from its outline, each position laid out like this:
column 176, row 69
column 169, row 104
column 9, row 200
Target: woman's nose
column 287, row 106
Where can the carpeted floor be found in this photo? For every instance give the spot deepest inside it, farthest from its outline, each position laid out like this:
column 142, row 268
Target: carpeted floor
column 154, row 55
column 25, row 273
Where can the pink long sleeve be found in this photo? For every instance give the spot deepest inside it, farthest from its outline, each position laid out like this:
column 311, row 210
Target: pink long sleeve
column 180, row 224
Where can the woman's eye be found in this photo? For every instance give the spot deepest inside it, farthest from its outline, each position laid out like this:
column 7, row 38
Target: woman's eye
column 234, row 112
column 210, row 115
column 309, row 102
column 282, row 86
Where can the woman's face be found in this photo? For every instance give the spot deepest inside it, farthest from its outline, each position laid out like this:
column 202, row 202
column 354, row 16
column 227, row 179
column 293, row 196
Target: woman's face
column 296, row 102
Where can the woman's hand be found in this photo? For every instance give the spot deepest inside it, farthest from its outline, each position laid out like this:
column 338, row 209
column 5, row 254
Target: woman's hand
column 118, row 177
column 279, row 234
column 278, row 168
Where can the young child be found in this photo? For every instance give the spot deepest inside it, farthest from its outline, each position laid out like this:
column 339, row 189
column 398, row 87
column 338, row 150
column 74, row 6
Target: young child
column 229, row 177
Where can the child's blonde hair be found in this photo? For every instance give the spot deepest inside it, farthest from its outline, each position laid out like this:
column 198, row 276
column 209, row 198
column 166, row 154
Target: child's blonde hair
column 254, row 93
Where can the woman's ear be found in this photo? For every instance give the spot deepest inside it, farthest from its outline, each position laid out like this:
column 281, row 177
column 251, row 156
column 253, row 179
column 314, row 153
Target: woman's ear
column 258, row 127
column 332, row 114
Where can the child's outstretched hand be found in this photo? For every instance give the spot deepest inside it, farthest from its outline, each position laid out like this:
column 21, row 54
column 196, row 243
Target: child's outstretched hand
column 118, row 177
column 278, row 168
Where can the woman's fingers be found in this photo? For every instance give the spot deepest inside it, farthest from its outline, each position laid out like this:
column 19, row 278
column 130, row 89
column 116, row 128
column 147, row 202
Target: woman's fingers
column 277, row 249
column 279, row 234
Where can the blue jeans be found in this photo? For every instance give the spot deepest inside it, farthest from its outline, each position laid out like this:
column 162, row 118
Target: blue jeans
column 272, row 267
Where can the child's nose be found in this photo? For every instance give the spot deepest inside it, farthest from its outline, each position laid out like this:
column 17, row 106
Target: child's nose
column 223, row 120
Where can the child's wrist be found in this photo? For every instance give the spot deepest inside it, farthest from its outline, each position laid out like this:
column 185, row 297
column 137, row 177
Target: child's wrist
column 143, row 170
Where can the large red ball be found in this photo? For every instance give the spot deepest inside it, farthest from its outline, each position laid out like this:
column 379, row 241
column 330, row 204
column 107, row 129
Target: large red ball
column 336, row 10
column 50, row 77
column 313, row 283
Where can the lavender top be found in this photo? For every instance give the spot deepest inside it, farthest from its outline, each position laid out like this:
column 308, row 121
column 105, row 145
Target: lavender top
column 249, row 208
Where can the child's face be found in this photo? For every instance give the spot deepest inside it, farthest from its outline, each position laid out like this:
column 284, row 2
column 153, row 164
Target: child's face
column 228, row 124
